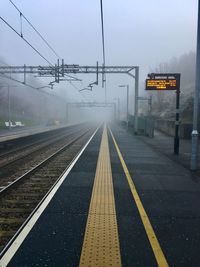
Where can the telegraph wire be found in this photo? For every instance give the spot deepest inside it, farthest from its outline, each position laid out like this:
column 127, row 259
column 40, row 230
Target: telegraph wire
column 26, row 41
column 22, row 15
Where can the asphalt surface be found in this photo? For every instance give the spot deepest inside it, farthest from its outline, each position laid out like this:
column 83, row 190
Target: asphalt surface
column 170, row 196
column 165, row 144
column 168, row 191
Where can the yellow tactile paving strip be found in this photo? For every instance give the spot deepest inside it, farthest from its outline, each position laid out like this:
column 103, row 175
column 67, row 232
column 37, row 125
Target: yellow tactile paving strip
column 101, row 241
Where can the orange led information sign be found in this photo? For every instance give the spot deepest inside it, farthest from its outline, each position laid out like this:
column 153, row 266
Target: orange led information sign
column 162, row 84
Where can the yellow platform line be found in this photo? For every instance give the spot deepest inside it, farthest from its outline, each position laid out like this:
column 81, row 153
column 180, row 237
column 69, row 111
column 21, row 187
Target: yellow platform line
column 101, row 242
column 159, row 255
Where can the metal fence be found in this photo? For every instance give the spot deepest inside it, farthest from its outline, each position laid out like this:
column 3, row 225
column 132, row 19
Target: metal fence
column 146, row 125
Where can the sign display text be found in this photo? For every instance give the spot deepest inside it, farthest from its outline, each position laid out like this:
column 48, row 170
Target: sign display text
column 162, row 84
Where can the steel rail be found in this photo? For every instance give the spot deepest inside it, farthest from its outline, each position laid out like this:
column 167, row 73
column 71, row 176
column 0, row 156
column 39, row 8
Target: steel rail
column 41, row 164
column 35, row 149
column 54, row 133
column 6, row 247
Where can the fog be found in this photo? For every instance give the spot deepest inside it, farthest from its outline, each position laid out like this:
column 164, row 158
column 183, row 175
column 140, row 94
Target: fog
column 137, row 33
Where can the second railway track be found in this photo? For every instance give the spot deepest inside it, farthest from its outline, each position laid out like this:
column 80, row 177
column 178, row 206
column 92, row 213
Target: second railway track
column 19, row 198
column 19, row 163
column 23, row 150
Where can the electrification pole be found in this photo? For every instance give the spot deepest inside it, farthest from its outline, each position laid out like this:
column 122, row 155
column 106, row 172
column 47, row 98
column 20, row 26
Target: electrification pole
column 136, row 100
column 127, row 106
column 118, row 101
column 9, row 106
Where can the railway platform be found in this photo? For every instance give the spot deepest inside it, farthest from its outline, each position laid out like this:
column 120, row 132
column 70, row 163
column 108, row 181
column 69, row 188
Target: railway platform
column 120, row 203
column 7, row 135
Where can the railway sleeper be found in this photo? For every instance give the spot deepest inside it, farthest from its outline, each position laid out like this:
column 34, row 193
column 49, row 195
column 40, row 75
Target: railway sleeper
column 6, row 222
column 21, row 205
column 15, row 210
column 7, row 233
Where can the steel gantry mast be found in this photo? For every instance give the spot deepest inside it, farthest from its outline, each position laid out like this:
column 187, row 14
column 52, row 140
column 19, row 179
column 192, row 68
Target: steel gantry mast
column 61, row 70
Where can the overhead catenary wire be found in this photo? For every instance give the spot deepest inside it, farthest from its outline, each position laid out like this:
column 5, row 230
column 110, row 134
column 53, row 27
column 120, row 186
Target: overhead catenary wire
column 15, row 80
column 36, row 50
column 28, row 21
column 35, row 88
column 26, row 41
column 22, row 15
column 32, row 87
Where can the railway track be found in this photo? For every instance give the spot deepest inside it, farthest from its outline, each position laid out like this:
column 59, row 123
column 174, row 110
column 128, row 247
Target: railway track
column 21, row 148
column 18, row 163
column 21, row 197
column 16, row 145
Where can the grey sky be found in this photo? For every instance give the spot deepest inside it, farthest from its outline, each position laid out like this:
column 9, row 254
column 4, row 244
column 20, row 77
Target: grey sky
column 137, row 32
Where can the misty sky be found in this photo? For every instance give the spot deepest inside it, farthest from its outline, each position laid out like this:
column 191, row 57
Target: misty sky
column 137, row 32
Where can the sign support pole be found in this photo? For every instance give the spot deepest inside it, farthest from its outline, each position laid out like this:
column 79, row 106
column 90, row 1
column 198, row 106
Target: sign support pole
column 176, row 137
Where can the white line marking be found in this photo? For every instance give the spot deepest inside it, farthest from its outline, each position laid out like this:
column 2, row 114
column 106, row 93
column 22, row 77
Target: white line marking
column 22, row 235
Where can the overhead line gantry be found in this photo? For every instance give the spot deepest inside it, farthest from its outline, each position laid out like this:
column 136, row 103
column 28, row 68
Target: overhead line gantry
column 61, row 70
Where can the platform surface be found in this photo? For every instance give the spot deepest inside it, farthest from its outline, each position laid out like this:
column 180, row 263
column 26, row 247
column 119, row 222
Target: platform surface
column 152, row 202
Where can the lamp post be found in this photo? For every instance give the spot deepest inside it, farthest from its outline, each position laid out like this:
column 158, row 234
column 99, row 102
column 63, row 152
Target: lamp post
column 118, row 107
column 127, row 102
